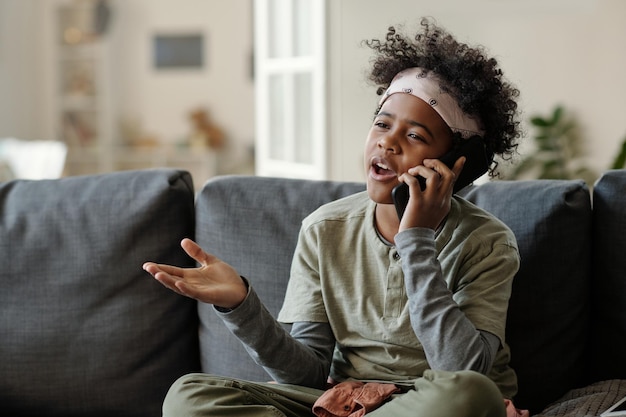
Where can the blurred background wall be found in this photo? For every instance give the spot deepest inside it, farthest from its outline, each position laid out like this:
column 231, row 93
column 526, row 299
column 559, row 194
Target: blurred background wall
column 568, row 52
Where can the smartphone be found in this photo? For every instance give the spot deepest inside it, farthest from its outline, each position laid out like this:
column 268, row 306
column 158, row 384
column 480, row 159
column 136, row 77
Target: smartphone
column 476, row 164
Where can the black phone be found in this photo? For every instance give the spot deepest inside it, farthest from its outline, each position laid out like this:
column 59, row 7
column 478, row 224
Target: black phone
column 476, row 164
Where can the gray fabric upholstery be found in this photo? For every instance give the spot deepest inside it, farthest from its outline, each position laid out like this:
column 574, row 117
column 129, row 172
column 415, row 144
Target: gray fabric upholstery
column 588, row 401
column 252, row 223
column 609, row 277
column 85, row 331
column 547, row 325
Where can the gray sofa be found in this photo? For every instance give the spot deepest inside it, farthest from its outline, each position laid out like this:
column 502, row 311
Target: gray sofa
column 86, row 332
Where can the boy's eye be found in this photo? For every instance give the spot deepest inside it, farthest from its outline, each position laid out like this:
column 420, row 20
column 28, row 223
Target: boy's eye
column 381, row 124
column 415, row 136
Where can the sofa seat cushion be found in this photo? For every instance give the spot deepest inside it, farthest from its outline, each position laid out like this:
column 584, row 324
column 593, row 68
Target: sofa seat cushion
column 85, row 331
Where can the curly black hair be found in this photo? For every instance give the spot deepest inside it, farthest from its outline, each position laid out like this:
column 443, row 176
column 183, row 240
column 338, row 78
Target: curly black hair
column 474, row 80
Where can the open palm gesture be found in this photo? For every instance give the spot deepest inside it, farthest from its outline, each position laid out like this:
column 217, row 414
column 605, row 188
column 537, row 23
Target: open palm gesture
column 213, row 282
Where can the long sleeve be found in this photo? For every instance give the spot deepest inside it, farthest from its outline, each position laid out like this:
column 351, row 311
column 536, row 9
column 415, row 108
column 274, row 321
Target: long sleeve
column 450, row 339
column 302, row 359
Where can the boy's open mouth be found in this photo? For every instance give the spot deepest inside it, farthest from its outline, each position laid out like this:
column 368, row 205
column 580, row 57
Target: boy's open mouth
column 381, row 170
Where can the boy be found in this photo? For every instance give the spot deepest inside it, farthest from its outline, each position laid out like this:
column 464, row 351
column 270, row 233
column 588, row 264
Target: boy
column 400, row 316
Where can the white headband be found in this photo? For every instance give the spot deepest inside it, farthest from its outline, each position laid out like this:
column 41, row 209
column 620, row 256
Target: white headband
column 426, row 85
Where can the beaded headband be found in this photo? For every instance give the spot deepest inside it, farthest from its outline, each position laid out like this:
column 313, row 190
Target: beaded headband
column 426, row 85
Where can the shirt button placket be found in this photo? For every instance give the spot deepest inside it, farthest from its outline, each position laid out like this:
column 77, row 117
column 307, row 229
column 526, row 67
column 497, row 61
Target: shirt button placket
column 395, row 286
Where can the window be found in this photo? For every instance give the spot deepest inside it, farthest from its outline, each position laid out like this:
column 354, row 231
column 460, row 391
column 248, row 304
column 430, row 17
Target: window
column 290, row 88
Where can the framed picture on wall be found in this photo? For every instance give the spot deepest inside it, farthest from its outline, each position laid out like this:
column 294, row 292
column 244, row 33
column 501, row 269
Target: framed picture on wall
column 178, row 51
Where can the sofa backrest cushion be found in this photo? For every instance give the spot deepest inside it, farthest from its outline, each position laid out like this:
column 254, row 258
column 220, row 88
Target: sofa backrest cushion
column 85, row 331
column 547, row 323
column 252, row 223
column 608, row 341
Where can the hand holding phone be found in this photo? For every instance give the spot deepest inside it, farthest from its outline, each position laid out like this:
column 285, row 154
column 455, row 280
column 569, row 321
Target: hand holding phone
column 476, row 164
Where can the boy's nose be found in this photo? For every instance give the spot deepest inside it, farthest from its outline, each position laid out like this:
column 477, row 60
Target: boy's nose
column 388, row 142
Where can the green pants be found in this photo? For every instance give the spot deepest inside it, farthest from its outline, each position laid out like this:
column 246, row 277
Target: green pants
column 437, row 394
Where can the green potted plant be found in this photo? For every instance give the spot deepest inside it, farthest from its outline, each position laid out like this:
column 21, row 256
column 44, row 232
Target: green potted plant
column 558, row 153
column 620, row 160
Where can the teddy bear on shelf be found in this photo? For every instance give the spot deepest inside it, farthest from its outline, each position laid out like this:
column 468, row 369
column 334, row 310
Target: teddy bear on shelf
column 205, row 133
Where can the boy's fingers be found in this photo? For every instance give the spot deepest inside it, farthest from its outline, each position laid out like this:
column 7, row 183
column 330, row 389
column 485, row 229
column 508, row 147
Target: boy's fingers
column 195, row 251
column 458, row 166
column 154, row 268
